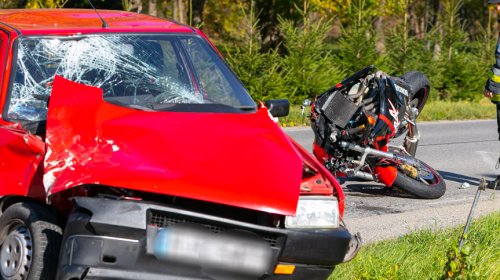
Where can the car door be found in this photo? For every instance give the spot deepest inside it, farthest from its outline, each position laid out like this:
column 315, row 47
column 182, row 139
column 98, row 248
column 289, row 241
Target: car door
column 21, row 153
column 4, row 40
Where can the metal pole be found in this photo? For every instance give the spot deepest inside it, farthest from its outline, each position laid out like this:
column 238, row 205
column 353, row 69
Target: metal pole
column 481, row 187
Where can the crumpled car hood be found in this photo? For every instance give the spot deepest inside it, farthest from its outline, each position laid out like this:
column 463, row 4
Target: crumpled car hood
column 243, row 160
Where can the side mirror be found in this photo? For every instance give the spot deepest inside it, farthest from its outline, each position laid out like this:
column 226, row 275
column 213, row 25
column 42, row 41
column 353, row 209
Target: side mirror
column 305, row 104
column 278, row 107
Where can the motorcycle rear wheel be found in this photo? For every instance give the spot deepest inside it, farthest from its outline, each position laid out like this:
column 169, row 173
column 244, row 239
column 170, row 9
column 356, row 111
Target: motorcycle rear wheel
column 420, row 87
column 427, row 183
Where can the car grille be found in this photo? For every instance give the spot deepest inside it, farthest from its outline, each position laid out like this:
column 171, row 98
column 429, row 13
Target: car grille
column 162, row 219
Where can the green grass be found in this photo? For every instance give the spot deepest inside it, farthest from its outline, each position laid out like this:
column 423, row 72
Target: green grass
column 423, row 254
column 460, row 110
column 433, row 111
column 295, row 117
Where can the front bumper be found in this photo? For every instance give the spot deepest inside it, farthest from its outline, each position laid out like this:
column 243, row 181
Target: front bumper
column 110, row 239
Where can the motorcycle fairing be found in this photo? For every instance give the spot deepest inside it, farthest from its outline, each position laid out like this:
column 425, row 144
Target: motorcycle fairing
column 241, row 159
column 386, row 174
column 391, row 113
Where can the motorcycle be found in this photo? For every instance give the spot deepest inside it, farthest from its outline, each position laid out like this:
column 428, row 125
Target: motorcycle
column 355, row 121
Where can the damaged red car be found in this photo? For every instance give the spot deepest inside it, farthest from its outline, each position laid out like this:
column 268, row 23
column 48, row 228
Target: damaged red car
column 130, row 150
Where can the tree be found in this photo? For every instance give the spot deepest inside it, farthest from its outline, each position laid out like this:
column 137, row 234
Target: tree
column 179, row 11
column 152, row 8
column 267, row 13
column 258, row 71
column 196, row 12
column 9, row 4
column 36, row 4
column 356, row 49
column 132, row 5
column 308, row 68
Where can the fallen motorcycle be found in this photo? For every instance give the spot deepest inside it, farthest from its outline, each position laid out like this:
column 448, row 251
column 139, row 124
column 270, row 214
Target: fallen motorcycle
column 355, row 121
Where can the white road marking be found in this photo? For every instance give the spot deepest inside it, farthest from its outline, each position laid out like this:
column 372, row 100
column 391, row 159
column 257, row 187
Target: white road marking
column 488, row 152
column 450, row 201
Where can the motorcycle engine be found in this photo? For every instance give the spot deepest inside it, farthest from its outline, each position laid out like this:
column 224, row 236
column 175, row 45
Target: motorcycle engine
column 343, row 114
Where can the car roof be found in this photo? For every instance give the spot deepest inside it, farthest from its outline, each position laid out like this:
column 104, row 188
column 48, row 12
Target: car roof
column 61, row 21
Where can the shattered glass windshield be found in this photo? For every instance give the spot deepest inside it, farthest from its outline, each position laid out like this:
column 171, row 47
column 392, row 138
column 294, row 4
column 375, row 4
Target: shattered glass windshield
column 151, row 72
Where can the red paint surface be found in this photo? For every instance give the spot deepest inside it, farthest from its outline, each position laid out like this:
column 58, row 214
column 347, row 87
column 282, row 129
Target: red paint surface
column 328, row 181
column 78, row 21
column 5, row 64
column 320, row 153
column 244, row 160
column 21, row 153
column 388, row 123
column 241, row 160
column 386, row 174
column 316, row 185
column 4, row 39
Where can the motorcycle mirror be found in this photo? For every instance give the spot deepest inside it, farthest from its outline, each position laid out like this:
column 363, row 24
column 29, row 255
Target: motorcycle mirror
column 278, row 107
column 305, row 104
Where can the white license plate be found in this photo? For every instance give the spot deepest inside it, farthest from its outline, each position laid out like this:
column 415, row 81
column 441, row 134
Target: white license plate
column 232, row 251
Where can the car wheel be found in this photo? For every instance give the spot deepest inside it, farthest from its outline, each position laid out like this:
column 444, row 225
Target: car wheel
column 30, row 239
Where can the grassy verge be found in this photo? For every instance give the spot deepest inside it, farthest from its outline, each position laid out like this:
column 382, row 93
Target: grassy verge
column 426, row 255
column 295, row 117
column 433, row 111
column 461, row 110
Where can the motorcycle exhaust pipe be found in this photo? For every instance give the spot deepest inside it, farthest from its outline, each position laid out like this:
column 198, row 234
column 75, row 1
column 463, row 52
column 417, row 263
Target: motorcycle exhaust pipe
column 413, row 136
column 411, row 144
column 377, row 153
column 361, row 175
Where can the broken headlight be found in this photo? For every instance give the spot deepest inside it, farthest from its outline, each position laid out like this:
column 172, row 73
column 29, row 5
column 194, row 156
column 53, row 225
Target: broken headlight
column 315, row 212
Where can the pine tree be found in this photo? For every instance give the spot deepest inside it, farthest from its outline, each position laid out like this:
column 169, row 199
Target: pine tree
column 308, row 67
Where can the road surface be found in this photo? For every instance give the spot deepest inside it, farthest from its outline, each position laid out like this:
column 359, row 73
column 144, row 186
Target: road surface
column 462, row 152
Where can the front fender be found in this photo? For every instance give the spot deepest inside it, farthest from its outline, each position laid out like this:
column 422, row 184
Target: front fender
column 323, row 182
column 20, row 156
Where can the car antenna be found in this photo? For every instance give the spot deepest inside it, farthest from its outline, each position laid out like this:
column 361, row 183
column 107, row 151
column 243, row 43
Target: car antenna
column 104, row 23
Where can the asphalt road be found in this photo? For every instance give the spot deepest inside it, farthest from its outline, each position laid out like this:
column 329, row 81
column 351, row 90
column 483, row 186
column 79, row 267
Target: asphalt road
column 462, row 151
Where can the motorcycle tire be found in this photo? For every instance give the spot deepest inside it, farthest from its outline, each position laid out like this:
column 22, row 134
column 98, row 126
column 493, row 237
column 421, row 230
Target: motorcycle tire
column 428, row 185
column 420, row 87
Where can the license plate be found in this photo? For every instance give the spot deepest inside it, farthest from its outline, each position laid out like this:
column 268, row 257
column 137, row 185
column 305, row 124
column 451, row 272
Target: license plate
column 232, row 251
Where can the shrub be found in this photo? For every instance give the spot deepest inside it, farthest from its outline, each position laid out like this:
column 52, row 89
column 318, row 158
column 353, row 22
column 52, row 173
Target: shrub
column 259, row 72
column 309, row 67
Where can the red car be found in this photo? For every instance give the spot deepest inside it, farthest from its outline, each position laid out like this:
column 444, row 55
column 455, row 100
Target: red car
column 130, row 150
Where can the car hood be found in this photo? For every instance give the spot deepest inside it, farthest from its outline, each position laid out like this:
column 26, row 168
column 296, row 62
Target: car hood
column 239, row 159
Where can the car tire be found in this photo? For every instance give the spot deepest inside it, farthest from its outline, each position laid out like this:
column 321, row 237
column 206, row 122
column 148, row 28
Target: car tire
column 30, row 239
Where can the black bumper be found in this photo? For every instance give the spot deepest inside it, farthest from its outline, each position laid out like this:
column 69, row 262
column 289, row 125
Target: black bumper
column 109, row 239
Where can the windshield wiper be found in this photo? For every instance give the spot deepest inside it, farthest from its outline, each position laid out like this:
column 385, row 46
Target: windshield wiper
column 201, row 107
column 133, row 106
column 140, row 107
column 246, row 108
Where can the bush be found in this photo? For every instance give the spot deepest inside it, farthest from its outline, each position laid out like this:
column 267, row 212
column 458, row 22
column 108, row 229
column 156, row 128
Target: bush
column 355, row 49
column 308, row 68
column 259, row 72
column 456, row 64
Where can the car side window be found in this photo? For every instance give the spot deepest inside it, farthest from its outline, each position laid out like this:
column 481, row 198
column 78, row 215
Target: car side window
column 34, row 73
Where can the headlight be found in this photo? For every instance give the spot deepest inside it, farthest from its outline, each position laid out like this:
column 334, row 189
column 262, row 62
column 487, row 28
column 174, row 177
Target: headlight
column 315, row 212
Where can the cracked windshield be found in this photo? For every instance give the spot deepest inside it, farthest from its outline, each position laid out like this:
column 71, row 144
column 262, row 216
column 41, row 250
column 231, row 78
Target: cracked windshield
column 148, row 72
